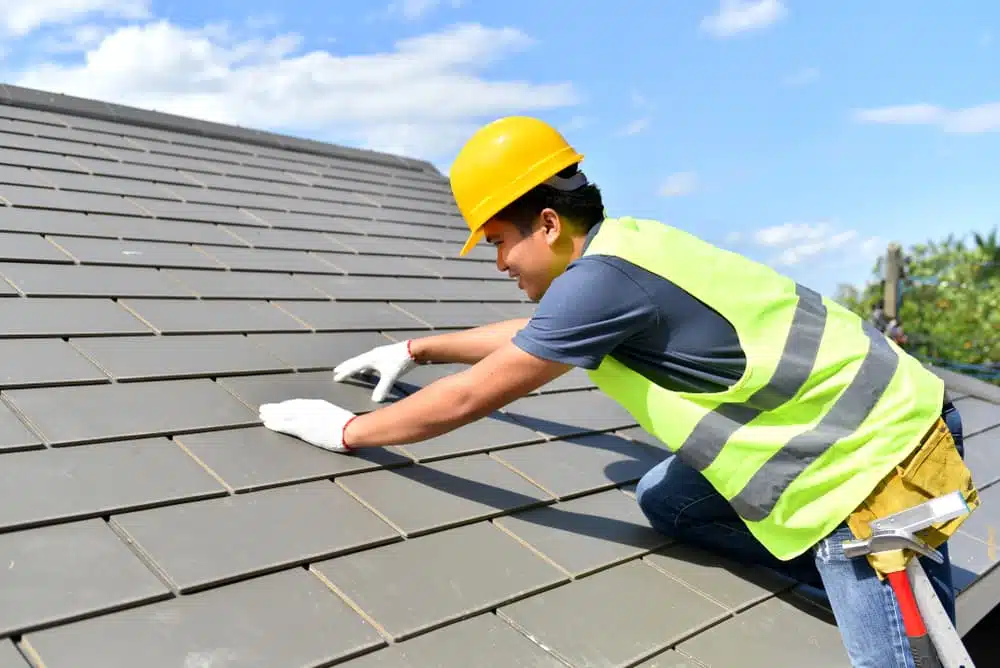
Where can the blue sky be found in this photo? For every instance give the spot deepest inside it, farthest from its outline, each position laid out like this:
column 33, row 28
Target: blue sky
column 806, row 134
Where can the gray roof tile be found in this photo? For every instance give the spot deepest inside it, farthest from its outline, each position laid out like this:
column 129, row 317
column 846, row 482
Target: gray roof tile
column 37, row 362
column 482, row 641
column 376, row 265
column 451, row 314
column 56, row 316
column 181, row 356
column 586, row 534
column 345, row 316
column 45, row 221
column 255, row 458
column 22, row 176
column 98, row 479
column 581, row 622
column 981, row 457
column 185, row 316
column 977, row 415
column 305, row 221
column 428, row 497
column 153, row 229
column 269, row 259
column 8, row 139
column 10, row 657
column 438, row 578
column 203, row 543
column 272, row 237
column 730, row 584
column 519, row 541
column 323, row 350
column 382, row 287
column 14, row 433
column 186, row 211
column 776, row 633
column 13, row 156
column 58, row 572
column 109, row 185
column 37, row 280
column 240, row 285
column 134, row 253
column 65, row 415
column 133, row 171
column 549, row 414
column 285, row 619
column 582, row 464
column 451, row 268
column 29, row 248
column 47, row 198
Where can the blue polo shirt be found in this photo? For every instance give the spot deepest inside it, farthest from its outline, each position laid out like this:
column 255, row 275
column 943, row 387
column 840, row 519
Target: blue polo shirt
column 604, row 305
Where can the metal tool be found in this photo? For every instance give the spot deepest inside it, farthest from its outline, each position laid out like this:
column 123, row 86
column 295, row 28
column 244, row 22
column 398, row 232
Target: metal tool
column 933, row 639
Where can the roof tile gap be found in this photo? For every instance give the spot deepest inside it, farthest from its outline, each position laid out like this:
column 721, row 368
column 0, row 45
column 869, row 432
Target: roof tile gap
column 28, row 652
column 399, row 530
column 202, row 464
column 555, row 497
column 354, row 606
column 34, row 429
column 538, row 644
column 412, row 315
column 732, row 611
column 528, row 545
column 146, row 559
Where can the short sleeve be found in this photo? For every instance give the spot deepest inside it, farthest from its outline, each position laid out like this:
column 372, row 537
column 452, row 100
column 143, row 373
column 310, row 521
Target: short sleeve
column 586, row 313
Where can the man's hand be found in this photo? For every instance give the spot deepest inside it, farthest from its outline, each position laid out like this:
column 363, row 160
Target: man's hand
column 314, row 421
column 391, row 361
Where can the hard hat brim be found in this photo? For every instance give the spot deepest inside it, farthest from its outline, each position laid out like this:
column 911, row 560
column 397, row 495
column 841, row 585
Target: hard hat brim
column 474, row 238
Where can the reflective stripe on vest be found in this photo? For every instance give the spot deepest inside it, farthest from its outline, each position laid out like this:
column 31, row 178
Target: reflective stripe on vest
column 826, row 407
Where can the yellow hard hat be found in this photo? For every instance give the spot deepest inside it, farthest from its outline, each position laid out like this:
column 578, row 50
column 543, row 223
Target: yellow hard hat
column 502, row 161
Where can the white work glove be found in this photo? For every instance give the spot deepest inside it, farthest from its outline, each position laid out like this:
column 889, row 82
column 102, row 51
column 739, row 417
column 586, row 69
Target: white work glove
column 314, row 421
column 391, row 361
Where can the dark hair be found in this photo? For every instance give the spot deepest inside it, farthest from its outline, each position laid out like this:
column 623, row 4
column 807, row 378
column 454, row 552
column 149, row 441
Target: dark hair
column 582, row 207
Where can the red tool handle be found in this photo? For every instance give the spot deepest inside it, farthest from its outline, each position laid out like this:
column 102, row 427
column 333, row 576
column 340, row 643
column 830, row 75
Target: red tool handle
column 924, row 655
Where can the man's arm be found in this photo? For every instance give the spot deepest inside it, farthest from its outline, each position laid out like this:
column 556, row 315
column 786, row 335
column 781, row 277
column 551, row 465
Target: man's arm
column 467, row 346
column 504, row 375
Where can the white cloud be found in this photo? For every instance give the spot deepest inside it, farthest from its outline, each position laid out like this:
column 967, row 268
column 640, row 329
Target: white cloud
column 412, row 10
column 794, row 243
column 967, row 120
column 22, row 17
column 422, row 97
column 737, row 16
column 635, row 127
column 678, row 184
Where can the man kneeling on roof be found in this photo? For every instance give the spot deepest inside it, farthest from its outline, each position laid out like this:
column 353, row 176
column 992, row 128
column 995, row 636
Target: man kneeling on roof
column 793, row 421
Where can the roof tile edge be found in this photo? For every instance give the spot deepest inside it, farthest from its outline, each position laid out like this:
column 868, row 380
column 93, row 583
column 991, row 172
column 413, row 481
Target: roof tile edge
column 29, row 98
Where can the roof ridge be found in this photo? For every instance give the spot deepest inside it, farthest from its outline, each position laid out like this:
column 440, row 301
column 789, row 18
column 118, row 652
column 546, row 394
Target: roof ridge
column 41, row 100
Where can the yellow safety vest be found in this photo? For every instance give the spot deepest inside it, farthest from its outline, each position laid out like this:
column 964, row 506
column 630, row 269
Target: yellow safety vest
column 826, row 408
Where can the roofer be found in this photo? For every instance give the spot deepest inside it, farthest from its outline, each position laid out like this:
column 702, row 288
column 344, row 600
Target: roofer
column 793, row 420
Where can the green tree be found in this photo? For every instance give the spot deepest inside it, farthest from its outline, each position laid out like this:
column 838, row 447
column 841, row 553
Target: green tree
column 951, row 299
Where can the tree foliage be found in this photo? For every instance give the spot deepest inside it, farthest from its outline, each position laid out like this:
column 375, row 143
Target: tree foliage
column 951, row 299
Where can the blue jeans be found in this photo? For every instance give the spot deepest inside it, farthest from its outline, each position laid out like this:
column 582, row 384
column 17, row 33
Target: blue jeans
column 679, row 502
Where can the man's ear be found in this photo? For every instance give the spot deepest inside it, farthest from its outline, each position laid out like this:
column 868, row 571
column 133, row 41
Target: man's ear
column 551, row 225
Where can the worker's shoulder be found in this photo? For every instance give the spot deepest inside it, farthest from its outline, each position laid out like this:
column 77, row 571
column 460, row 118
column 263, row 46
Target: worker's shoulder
column 605, row 269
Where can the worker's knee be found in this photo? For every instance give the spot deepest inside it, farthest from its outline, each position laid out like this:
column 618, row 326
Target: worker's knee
column 672, row 494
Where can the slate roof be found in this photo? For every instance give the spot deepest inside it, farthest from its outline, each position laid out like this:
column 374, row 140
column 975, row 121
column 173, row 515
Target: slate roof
column 163, row 276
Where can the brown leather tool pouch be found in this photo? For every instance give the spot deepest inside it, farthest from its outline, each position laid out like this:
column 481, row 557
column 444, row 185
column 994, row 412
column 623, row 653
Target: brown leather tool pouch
column 933, row 469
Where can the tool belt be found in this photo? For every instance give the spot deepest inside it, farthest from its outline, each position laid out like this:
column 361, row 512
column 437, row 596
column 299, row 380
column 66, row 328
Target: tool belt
column 933, row 469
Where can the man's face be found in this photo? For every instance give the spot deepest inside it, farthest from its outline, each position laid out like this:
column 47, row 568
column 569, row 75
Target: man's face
column 535, row 259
